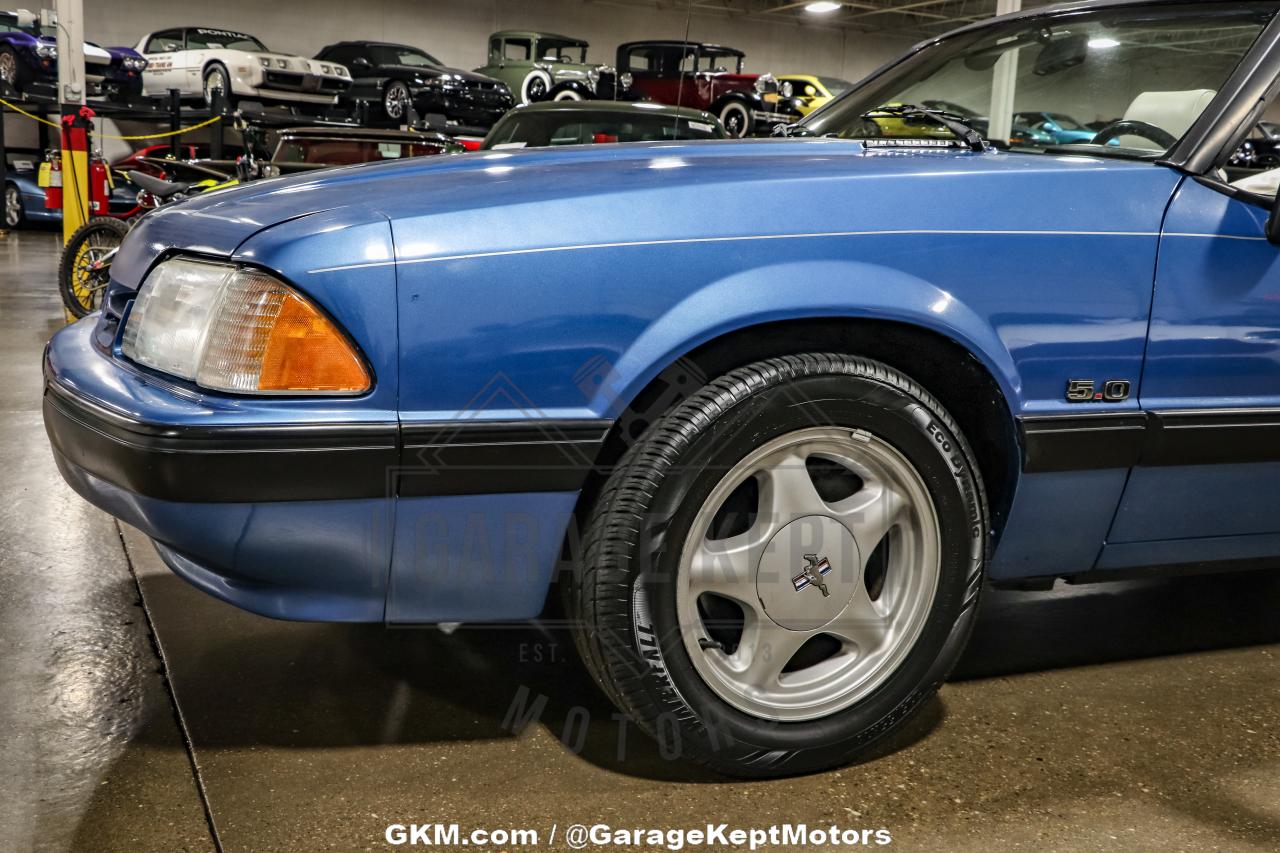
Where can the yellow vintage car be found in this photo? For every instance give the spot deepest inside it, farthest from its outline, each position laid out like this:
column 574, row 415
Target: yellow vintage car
column 812, row 91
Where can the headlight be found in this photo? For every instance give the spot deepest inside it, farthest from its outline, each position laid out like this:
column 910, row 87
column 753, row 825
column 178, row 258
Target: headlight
column 786, row 89
column 282, row 63
column 135, row 63
column 593, row 74
column 47, row 51
column 325, row 69
column 238, row 329
column 626, row 80
column 265, row 60
column 765, row 83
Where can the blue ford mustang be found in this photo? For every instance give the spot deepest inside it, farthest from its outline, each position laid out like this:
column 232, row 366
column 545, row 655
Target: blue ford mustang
column 770, row 411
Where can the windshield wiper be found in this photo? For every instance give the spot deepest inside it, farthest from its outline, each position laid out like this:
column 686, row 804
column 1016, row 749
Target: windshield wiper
column 791, row 130
column 950, row 121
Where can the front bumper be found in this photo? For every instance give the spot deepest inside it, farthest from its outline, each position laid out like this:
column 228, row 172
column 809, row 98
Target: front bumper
column 461, row 105
column 239, row 463
column 771, row 118
column 327, row 517
column 293, row 86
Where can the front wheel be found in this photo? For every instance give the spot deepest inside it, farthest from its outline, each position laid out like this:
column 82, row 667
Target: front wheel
column 736, row 118
column 785, row 567
column 216, row 79
column 84, row 271
column 396, row 100
column 535, row 86
column 11, row 69
column 14, row 214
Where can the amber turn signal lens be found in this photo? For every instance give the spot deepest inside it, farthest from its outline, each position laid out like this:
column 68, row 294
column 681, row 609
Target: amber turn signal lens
column 304, row 352
column 266, row 338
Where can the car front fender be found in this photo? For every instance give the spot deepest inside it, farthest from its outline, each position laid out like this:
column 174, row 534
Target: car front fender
column 804, row 290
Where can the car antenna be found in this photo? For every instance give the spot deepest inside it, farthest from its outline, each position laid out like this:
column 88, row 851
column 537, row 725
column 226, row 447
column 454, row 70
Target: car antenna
column 675, row 120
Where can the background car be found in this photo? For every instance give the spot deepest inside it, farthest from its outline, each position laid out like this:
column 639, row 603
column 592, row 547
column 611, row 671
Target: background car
column 301, row 149
column 198, row 60
column 29, row 59
column 546, row 66
column 24, row 198
column 397, row 76
column 1063, row 128
column 1019, row 134
column 812, row 91
column 708, row 77
column 564, row 123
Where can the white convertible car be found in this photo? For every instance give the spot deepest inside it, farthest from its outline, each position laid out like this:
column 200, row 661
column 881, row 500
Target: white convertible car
column 198, row 60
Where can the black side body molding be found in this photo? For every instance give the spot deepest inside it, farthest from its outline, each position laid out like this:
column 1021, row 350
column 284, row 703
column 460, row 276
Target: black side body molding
column 1149, row 439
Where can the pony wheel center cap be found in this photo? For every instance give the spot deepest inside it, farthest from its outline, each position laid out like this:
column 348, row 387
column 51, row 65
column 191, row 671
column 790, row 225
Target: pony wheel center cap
column 808, row 573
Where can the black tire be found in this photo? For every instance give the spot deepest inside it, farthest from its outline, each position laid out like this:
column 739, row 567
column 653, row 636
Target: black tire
column 12, row 70
column 631, row 643
column 15, row 216
column 396, row 101
column 82, row 290
column 536, row 85
column 213, row 70
column 736, row 117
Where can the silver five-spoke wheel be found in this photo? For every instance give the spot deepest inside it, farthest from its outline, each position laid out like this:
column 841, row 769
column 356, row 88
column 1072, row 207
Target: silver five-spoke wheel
column 808, row 574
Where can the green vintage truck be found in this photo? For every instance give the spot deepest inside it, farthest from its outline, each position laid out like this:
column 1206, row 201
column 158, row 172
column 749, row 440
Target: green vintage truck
column 550, row 67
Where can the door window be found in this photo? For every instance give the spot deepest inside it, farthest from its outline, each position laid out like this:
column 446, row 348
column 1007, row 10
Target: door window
column 165, row 42
column 517, row 50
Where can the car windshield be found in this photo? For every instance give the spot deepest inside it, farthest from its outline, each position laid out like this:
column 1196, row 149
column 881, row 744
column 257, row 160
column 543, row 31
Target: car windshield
column 587, row 127
column 202, row 39
column 835, row 85
column 719, row 61
column 1138, row 76
column 555, row 50
column 395, row 54
column 1066, row 122
column 345, row 152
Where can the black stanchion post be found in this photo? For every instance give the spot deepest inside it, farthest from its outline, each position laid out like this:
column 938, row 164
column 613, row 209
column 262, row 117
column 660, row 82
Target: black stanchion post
column 175, row 119
column 218, row 107
column 42, row 130
column 4, row 172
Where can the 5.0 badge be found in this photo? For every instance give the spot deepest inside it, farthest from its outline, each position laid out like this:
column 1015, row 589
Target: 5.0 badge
column 1086, row 391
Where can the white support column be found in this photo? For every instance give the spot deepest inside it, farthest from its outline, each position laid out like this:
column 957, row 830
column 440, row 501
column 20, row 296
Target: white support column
column 71, row 85
column 71, row 93
column 1003, row 82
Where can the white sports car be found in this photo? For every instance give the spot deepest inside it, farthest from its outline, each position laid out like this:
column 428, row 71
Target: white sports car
column 198, row 60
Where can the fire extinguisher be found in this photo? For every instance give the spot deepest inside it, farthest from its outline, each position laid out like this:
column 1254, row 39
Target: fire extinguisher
column 99, row 187
column 51, row 179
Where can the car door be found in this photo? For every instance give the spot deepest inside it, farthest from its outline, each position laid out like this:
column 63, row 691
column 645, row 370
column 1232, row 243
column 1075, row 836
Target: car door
column 163, row 51
column 1208, row 483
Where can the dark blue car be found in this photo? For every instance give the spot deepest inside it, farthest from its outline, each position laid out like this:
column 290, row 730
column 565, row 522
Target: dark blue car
column 24, row 197
column 771, row 413
column 29, row 61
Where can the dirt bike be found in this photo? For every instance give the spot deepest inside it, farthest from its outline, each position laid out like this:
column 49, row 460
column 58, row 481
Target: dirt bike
column 85, row 268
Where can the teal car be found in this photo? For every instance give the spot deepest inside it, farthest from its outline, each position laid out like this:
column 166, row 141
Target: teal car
column 1063, row 128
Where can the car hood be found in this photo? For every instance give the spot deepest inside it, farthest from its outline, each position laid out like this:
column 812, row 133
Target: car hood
column 420, row 71
column 500, row 201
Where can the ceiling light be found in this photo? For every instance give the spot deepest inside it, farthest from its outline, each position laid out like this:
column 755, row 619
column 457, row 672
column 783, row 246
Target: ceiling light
column 1103, row 42
column 822, row 7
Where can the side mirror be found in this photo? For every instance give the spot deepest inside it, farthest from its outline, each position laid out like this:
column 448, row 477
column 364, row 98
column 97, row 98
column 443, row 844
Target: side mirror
column 360, row 62
column 1273, row 222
